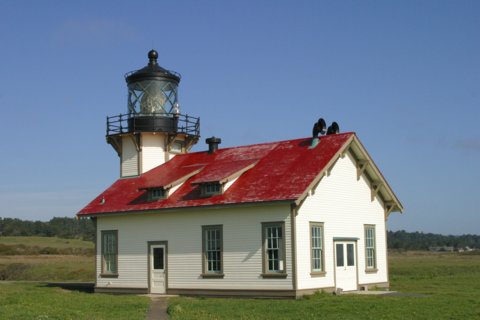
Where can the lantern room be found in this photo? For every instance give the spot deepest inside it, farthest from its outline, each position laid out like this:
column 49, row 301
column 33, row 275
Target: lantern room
column 152, row 97
column 153, row 130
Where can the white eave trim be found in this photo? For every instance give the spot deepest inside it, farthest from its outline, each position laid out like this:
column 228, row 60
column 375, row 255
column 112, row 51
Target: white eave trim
column 379, row 186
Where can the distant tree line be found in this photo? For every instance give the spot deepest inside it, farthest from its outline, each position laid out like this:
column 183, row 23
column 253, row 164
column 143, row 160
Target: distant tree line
column 69, row 228
column 424, row 241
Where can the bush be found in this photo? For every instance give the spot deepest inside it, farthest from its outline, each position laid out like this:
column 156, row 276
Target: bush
column 13, row 271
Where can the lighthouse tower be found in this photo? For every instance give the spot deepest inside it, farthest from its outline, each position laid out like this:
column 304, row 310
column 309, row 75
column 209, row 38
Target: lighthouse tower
column 153, row 130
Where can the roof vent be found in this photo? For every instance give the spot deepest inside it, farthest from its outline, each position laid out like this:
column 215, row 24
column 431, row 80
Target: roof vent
column 213, row 144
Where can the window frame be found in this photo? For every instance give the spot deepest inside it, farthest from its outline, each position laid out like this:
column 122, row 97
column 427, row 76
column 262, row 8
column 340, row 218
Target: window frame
column 372, row 228
column 266, row 273
column 321, row 271
column 104, row 272
column 339, row 254
column 205, row 272
column 152, row 197
column 179, row 143
column 205, row 186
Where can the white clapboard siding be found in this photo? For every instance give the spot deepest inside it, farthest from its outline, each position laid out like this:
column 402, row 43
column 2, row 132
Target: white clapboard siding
column 129, row 158
column 153, row 150
column 344, row 205
column 242, row 247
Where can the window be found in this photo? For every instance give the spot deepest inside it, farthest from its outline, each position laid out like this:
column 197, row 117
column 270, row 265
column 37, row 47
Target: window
column 370, row 253
column 350, row 255
column 212, row 251
column 110, row 253
column 316, row 248
column 176, row 146
column 273, row 249
column 156, row 194
column 339, row 251
column 211, row 188
column 158, row 258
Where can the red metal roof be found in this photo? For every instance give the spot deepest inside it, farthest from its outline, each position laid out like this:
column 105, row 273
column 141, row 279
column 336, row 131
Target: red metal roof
column 281, row 171
column 169, row 173
column 222, row 169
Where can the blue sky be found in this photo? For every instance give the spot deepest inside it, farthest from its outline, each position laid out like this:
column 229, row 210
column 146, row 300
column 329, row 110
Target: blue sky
column 404, row 75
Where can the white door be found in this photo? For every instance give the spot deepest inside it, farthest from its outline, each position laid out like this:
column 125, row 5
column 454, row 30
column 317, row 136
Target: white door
column 157, row 268
column 345, row 266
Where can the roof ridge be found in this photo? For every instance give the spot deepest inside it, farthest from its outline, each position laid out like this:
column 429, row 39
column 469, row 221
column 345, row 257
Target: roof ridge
column 271, row 142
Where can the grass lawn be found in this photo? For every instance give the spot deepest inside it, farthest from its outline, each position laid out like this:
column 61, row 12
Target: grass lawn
column 47, row 268
column 450, row 283
column 22, row 300
column 21, row 258
column 37, row 300
column 443, row 286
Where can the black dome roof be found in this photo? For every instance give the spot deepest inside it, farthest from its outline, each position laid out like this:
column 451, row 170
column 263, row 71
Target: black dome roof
column 152, row 71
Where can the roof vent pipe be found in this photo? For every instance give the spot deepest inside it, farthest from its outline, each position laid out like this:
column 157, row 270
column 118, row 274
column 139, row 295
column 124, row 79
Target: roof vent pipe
column 213, row 144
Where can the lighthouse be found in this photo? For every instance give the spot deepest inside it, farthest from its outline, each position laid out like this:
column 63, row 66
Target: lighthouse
column 153, row 130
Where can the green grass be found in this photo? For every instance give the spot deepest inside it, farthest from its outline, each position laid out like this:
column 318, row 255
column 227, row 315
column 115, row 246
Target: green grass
column 19, row 300
column 36, row 300
column 46, row 259
column 445, row 286
column 450, row 284
column 47, row 268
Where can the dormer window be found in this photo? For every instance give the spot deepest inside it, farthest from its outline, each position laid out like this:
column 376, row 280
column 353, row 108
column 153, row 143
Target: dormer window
column 210, row 188
column 161, row 187
column 217, row 177
column 155, row 194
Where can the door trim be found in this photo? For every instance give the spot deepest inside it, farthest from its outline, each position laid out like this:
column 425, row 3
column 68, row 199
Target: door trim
column 149, row 270
column 341, row 239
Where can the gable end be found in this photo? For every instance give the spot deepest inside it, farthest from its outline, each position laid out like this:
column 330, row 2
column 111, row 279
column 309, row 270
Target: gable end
column 366, row 168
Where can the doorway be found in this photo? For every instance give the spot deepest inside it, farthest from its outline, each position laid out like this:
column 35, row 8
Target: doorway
column 345, row 265
column 157, row 267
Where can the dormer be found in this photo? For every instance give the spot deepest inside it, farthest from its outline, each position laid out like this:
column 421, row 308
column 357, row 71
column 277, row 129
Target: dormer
column 217, row 177
column 162, row 187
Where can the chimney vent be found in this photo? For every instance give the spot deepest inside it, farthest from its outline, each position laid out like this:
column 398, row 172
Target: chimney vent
column 213, row 144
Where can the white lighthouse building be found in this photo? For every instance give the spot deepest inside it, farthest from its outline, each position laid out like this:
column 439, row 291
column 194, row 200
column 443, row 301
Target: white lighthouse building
column 276, row 219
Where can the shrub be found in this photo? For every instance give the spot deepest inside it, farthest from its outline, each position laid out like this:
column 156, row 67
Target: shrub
column 13, row 271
